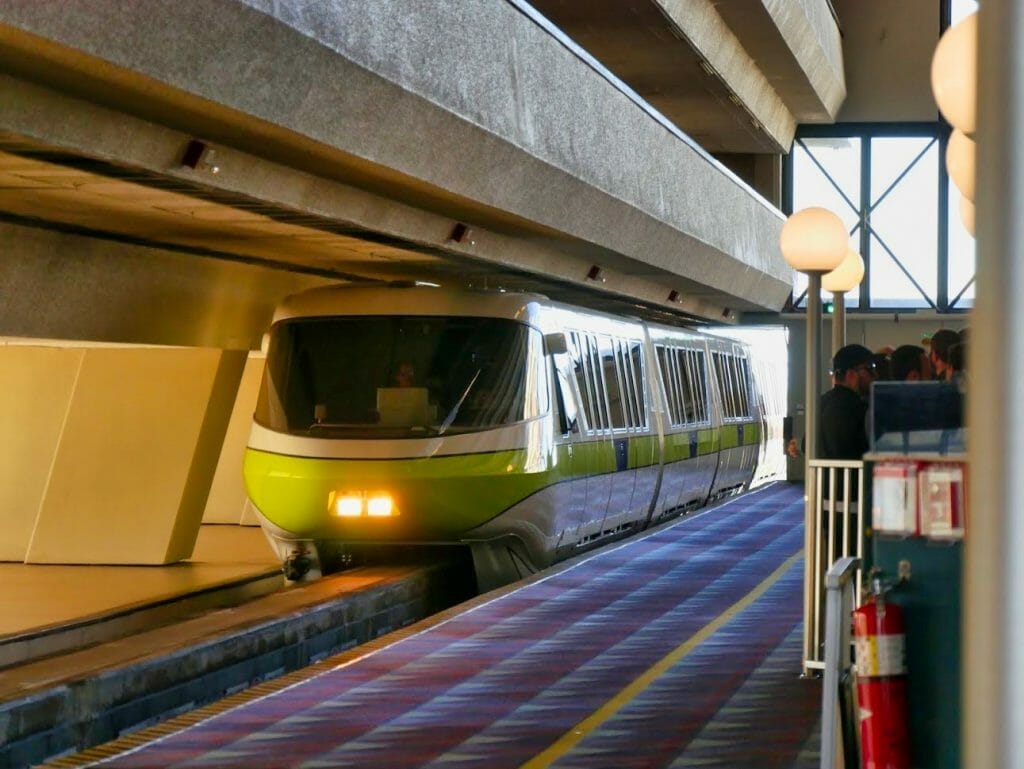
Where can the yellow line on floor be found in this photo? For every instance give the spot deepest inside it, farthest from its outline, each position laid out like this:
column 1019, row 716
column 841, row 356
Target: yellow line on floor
column 571, row 738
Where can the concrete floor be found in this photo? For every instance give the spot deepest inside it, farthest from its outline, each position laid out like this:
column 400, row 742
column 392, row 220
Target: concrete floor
column 38, row 597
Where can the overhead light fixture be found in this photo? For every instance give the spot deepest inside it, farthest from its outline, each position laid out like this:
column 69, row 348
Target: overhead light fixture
column 199, row 156
column 458, row 233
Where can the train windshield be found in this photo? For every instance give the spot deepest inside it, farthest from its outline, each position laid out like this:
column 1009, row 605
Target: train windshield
column 400, row 377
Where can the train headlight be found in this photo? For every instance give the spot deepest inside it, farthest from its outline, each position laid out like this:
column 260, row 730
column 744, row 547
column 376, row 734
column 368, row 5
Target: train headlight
column 349, row 506
column 380, row 505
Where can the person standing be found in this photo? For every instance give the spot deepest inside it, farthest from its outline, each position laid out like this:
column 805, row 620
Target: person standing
column 842, row 411
column 910, row 363
column 942, row 340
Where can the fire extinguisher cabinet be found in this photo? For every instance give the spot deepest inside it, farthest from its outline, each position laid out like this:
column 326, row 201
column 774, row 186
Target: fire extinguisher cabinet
column 920, row 535
column 931, row 611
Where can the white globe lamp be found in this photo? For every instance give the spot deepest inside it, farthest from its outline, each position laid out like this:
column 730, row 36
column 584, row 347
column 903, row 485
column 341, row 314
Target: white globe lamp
column 954, row 74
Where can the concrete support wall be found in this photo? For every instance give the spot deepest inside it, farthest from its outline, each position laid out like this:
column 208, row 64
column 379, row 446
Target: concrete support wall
column 37, row 384
column 109, row 452
column 227, row 502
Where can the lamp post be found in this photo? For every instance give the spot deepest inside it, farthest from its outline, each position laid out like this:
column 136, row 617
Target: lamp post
column 846, row 277
column 814, row 241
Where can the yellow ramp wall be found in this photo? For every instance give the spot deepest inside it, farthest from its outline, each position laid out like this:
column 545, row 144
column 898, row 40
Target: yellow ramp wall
column 36, row 383
column 136, row 456
column 227, row 502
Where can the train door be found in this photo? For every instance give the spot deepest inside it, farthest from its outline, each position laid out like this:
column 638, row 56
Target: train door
column 703, row 438
column 644, row 446
column 655, row 402
column 596, row 455
column 621, row 385
column 569, row 425
column 728, row 453
column 748, row 414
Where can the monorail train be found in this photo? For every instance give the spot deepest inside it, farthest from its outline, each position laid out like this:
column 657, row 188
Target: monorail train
column 526, row 429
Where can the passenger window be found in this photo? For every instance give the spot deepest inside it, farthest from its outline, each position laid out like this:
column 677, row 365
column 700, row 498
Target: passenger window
column 634, row 361
column 701, row 382
column 567, row 414
column 613, row 382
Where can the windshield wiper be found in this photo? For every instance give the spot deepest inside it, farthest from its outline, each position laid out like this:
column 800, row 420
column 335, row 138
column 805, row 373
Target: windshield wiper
column 455, row 409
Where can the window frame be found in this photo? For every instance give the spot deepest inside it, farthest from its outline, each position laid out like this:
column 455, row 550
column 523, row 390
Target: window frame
column 938, row 134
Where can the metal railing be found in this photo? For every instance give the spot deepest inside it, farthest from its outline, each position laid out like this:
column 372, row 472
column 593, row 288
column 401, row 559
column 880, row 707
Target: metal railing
column 836, row 529
column 838, row 698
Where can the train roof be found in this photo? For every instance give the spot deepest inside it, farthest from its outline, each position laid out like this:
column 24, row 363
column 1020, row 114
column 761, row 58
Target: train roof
column 406, row 299
column 418, row 299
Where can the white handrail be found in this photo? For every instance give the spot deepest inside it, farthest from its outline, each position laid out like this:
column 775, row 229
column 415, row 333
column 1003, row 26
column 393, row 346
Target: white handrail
column 838, row 531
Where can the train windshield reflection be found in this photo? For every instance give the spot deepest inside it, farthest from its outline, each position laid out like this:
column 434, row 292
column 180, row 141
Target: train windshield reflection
column 386, row 376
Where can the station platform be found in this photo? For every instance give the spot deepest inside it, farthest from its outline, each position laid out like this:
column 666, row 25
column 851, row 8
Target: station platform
column 678, row 648
column 88, row 653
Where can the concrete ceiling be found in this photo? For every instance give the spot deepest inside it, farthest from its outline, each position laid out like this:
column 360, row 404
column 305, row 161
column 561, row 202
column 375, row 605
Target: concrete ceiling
column 735, row 75
column 684, row 64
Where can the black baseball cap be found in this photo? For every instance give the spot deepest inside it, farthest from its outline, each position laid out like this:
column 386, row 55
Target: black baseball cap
column 849, row 357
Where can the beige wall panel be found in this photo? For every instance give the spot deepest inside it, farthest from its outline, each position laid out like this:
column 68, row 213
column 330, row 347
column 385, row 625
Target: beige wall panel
column 36, row 383
column 128, row 479
column 226, row 503
column 249, row 516
column 876, row 334
column 888, row 47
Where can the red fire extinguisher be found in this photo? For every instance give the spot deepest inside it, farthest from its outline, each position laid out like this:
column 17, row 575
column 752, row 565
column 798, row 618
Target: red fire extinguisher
column 880, row 646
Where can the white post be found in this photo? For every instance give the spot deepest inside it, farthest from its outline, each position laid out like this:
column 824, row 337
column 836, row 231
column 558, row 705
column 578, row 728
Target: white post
column 812, row 394
column 993, row 584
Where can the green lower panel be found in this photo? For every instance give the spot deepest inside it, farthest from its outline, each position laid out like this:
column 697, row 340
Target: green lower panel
column 438, row 497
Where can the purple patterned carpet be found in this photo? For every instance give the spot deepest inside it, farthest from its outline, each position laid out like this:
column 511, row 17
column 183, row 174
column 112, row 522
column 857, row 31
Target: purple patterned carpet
column 608, row 663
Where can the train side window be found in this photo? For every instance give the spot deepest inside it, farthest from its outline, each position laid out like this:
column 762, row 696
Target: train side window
column 592, row 372
column 700, row 382
column 729, row 372
column 689, row 406
column 662, row 354
column 734, row 381
column 679, row 372
column 568, row 417
column 634, row 361
column 743, row 374
column 668, row 363
column 723, row 379
column 628, row 379
column 612, row 382
column 716, row 360
column 590, row 382
column 600, row 387
column 583, row 384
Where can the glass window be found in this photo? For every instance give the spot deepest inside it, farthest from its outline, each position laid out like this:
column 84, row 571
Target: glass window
column 632, row 360
column 384, row 376
column 612, row 381
column 722, row 378
column 700, row 381
column 826, row 172
column 883, row 182
column 566, row 401
column 960, row 267
column 904, row 221
column 587, row 365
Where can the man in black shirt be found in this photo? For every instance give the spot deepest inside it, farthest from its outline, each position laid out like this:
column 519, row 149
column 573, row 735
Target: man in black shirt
column 842, row 412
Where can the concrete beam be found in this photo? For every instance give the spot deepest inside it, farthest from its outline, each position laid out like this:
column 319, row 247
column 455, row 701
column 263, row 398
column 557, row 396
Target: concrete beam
column 455, row 105
column 797, row 46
